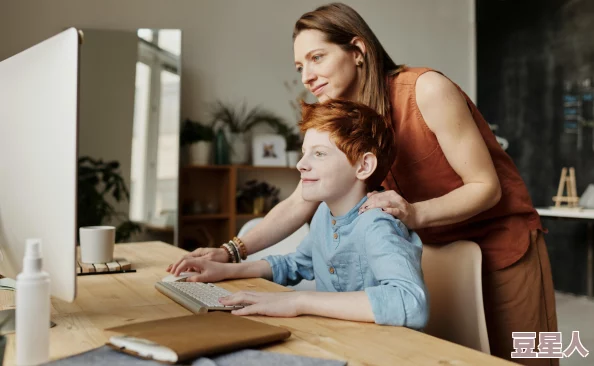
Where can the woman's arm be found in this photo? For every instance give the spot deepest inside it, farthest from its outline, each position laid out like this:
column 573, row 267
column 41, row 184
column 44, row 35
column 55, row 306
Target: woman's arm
column 283, row 220
column 283, row 269
column 446, row 113
column 211, row 271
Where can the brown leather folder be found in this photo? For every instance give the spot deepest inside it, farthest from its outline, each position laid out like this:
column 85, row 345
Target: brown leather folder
column 190, row 337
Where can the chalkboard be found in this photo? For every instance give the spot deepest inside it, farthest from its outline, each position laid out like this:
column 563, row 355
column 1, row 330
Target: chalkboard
column 532, row 58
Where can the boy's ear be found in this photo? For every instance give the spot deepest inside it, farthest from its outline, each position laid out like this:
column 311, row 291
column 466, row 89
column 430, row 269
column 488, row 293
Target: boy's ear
column 367, row 165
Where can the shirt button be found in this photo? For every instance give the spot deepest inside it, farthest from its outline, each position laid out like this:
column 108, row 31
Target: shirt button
column 335, row 235
column 333, row 222
column 331, row 270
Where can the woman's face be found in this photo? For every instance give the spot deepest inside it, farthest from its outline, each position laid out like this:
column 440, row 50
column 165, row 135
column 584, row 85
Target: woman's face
column 326, row 69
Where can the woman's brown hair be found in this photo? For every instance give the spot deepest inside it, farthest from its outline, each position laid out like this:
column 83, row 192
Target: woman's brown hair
column 340, row 23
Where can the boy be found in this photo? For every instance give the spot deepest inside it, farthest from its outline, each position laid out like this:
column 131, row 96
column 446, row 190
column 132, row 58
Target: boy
column 367, row 267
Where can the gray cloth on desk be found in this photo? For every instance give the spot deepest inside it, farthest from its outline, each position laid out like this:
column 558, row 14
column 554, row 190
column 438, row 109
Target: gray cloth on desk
column 250, row 357
column 108, row 356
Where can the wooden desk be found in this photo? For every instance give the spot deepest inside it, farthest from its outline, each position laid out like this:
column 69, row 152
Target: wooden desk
column 110, row 300
column 584, row 214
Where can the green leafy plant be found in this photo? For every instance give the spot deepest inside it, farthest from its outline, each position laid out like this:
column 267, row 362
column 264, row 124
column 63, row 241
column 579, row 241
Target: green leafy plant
column 193, row 131
column 294, row 138
column 295, row 87
column 294, row 142
column 241, row 120
column 97, row 180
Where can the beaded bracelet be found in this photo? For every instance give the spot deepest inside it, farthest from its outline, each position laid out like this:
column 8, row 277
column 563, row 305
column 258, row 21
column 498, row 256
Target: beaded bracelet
column 229, row 252
column 235, row 251
column 241, row 246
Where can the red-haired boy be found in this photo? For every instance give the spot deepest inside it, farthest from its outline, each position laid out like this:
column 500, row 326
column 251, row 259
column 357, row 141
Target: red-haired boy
column 367, row 267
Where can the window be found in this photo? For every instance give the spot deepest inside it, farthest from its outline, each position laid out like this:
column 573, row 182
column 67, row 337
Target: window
column 139, row 142
column 168, row 151
column 155, row 141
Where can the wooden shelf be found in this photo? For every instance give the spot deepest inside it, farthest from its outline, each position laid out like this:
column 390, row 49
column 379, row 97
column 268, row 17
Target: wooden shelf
column 218, row 184
column 207, row 167
column 248, row 216
column 205, row 217
column 163, row 229
column 252, row 167
column 238, row 167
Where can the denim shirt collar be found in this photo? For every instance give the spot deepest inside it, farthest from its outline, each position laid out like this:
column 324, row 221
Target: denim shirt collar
column 349, row 216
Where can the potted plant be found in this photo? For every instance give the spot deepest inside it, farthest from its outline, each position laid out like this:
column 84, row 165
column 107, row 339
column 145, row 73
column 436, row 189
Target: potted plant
column 256, row 197
column 238, row 122
column 97, row 182
column 197, row 139
column 294, row 139
column 294, row 143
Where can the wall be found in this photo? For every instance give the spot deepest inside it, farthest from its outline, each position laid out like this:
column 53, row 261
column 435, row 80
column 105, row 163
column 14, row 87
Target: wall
column 242, row 50
column 236, row 50
column 107, row 73
column 526, row 51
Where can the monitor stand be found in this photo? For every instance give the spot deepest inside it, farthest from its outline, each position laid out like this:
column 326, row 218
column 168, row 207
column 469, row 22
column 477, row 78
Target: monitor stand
column 8, row 316
column 7, row 321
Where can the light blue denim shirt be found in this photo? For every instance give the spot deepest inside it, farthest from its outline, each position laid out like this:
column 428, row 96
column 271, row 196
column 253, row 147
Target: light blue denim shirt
column 372, row 252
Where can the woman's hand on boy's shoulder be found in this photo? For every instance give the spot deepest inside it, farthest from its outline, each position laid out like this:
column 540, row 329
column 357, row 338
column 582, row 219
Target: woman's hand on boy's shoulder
column 393, row 204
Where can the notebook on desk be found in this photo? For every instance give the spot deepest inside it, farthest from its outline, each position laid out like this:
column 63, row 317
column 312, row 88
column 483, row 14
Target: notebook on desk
column 185, row 338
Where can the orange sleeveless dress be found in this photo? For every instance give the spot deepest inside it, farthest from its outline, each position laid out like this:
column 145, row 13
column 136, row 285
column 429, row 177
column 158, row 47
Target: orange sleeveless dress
column 421, row 172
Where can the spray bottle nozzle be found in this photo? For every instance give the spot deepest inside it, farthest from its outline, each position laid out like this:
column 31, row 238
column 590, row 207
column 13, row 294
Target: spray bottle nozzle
column 32, row 259
column 33, row 249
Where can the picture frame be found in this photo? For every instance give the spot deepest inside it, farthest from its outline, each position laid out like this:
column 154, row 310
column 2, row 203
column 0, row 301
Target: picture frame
column 269, row 150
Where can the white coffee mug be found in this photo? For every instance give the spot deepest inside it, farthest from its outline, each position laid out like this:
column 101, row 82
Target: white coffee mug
column 96, row 244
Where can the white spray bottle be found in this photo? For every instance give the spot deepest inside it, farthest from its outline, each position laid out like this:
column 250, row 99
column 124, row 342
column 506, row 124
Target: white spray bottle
column 32, row 308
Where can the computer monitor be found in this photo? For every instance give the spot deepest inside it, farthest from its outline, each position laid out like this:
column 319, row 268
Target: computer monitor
column 38, row 158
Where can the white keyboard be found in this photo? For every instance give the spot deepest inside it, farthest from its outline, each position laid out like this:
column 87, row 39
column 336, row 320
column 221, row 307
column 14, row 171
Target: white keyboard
column 196, row 296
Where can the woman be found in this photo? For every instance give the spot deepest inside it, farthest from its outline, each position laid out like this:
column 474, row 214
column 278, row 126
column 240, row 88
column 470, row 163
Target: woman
column 450, row 180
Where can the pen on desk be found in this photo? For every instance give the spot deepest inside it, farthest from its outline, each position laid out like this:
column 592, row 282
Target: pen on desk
column 100, row 273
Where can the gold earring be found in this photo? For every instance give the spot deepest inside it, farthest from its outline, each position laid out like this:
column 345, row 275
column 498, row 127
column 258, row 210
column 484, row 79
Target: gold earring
column 359, row 63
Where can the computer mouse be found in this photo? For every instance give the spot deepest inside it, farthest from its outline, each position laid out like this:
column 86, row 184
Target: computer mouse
column 181, row 278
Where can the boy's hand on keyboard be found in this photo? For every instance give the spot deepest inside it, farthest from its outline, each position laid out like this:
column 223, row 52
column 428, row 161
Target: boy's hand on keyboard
column 206, row 271
column 211, row 254
column 282, row 304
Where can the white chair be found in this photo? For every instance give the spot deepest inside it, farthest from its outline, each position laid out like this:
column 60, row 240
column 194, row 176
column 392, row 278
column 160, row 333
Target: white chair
column 285, row 246
column 454, row 281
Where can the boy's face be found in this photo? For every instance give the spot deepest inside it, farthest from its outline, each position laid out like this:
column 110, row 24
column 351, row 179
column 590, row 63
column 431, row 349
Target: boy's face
column 326, row 173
